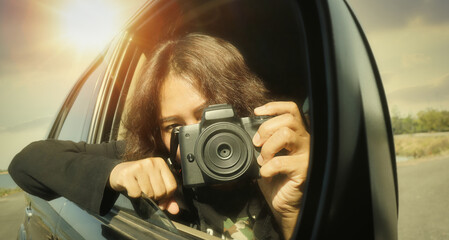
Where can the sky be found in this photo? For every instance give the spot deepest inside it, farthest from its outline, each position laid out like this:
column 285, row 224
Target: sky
column 45, row 45
column 410, row 41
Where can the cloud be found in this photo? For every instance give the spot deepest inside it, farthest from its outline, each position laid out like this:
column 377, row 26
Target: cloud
column 11, row 142
column 390, row 14
column 415, row 59
column 41, row 122
column 15, row 137
column 423, row 96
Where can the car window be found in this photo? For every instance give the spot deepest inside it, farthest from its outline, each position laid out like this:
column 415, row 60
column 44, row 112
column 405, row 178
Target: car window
column 76, row 125
column 132, row 87
column 146, row 209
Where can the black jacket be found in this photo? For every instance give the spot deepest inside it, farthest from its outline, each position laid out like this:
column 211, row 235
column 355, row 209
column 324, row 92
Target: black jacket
column 77, row 171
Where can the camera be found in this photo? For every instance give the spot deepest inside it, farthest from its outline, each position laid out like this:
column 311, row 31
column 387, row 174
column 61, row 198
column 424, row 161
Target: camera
column 219, row 149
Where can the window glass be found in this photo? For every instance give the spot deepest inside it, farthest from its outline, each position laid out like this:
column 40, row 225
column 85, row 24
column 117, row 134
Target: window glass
column 146, row 209
column 132, row 87
column 76, row 125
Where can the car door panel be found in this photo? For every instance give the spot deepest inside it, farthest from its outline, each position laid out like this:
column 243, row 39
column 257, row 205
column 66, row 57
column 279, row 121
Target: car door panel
column 41, row 217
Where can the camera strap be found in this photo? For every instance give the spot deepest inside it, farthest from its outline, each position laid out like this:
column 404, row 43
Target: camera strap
column 171, row 161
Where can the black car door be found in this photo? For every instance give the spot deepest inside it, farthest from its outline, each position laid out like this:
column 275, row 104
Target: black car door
column 41, row 217
column 352, row 190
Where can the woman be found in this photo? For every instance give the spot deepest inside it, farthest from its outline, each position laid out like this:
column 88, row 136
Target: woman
column 182, row 78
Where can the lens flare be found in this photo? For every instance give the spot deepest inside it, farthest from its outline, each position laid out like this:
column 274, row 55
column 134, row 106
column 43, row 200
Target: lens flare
column 89, row 24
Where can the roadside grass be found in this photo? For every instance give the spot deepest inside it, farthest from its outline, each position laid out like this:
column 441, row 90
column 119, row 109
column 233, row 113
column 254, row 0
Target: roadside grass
column 7, row 191
column 422, row 144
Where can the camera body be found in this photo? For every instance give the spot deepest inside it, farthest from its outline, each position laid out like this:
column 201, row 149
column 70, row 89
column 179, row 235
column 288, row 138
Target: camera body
column 219, row 149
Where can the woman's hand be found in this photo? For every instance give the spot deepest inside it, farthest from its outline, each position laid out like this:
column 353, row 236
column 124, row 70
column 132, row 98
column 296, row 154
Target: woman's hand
column 282, row 177
column 150, row 176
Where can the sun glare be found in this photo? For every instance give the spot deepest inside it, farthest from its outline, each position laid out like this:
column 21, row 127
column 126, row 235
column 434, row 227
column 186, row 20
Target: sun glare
column 90, row 24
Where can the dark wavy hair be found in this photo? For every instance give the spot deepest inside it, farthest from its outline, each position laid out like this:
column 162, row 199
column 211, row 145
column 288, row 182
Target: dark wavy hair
column 212, row 65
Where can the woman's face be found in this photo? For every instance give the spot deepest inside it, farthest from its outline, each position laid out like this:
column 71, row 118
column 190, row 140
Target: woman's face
column 181, row 104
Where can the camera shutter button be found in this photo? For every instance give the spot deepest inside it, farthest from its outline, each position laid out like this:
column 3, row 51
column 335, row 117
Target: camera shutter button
column 190, row 157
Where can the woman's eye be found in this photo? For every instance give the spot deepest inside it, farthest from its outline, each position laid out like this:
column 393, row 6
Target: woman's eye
column 170, row 127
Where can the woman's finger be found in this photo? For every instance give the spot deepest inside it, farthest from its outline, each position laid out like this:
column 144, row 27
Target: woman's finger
column 170, row 205
column 294, row 167
column 269, row 127
column 168, row 178
column 157, row 182
column 150, row 176
column 132, row 188
column 143, row 180
column 278, row 108
column 283, row 138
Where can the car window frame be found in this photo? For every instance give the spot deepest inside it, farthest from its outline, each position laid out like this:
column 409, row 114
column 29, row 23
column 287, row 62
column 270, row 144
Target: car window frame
column 72, row 96
column 112, row 79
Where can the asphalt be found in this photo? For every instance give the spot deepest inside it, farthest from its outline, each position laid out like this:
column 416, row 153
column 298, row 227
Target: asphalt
column 424, row 199
column 12, row 214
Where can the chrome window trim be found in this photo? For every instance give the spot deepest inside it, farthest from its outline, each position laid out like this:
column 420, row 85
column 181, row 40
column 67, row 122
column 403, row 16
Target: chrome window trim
column 96, row 123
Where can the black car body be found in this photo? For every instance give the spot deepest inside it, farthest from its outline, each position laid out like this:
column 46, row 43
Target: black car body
column 311, row 51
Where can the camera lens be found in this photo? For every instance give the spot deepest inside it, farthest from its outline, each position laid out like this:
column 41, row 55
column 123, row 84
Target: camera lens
column 224, row 151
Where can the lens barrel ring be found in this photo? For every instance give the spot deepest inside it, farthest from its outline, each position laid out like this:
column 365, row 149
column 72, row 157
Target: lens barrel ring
column 207, row 151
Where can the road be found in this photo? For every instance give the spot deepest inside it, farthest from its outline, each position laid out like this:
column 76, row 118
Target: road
column 424, row 199
column 423, row 202
column 12, row 212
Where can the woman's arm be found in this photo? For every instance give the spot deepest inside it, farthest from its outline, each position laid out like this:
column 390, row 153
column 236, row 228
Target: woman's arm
column 282, row 177
column 76, row 171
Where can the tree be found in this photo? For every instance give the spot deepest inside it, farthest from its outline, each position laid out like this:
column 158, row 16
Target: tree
column 430, row 120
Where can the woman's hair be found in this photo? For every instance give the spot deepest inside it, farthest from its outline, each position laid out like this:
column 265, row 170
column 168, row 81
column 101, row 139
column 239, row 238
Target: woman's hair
column 212, row 65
